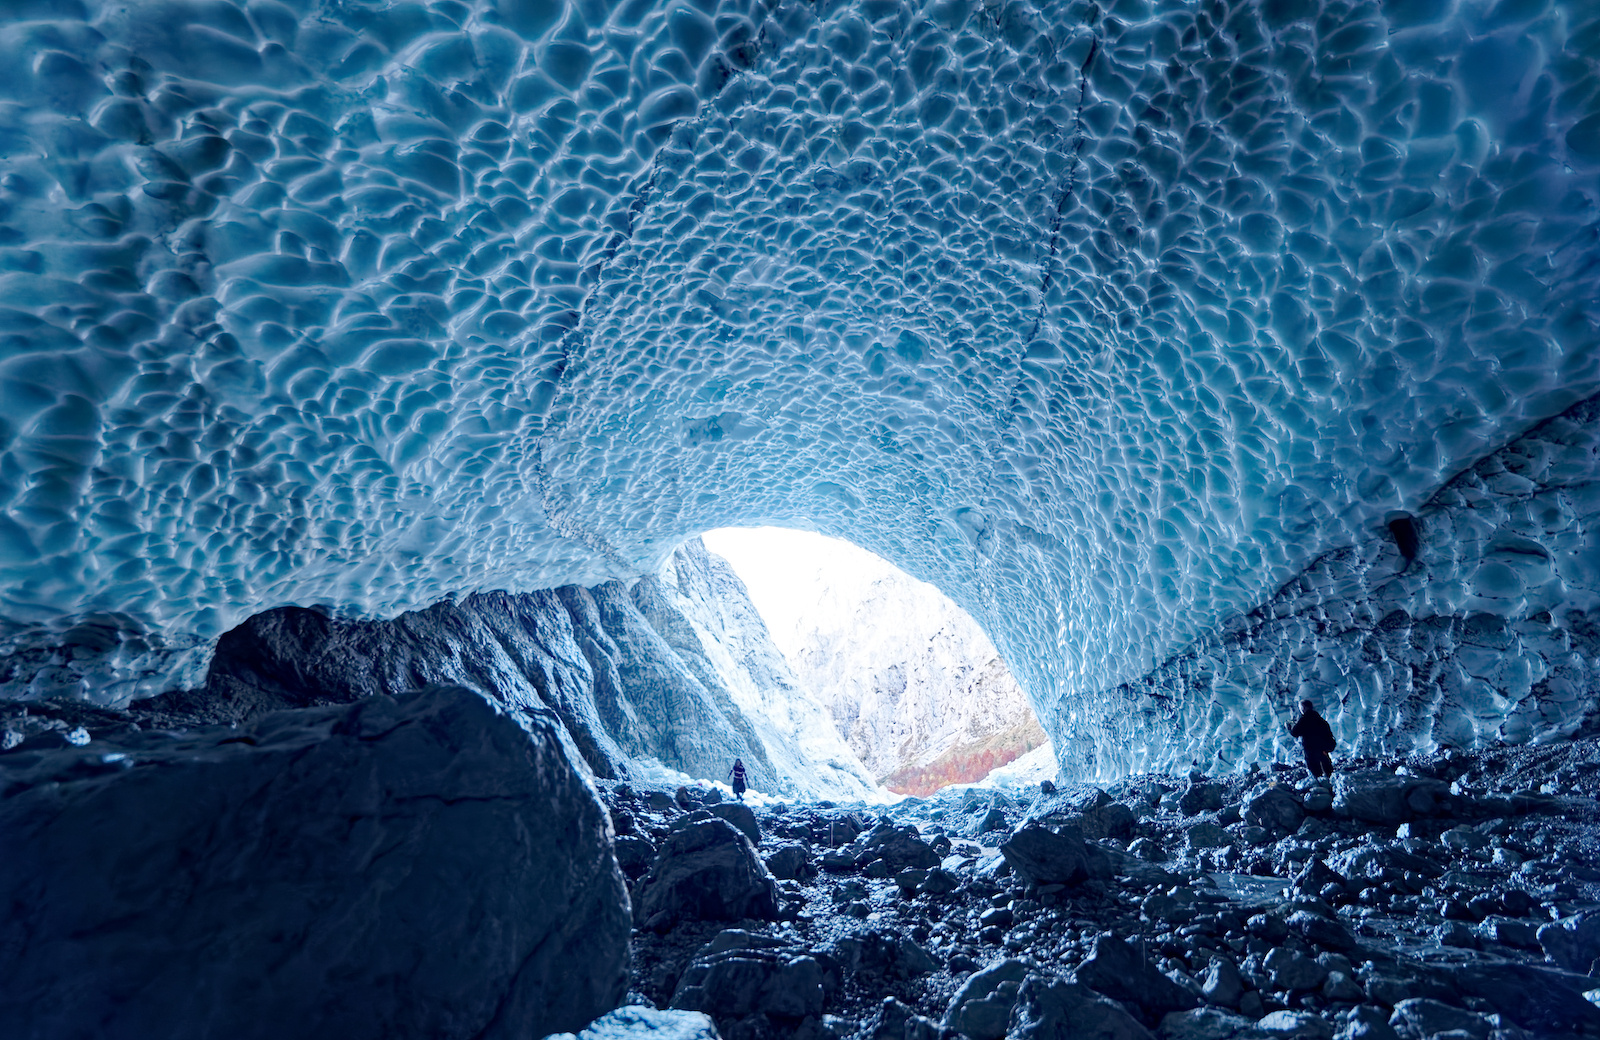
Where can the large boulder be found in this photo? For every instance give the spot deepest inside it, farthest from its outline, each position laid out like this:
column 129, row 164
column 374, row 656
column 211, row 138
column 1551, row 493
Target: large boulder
column 1274, row 807
column 1572, row 942
column 1048, row 1008
column 898, row 848
column 1057, row 856
column 705, row 871
column 1385, row 799
column 1099, row 817
column 1540, row 1000
column 981, row 1008
column 1117, row 969
column 781, row 985
column 426, row 866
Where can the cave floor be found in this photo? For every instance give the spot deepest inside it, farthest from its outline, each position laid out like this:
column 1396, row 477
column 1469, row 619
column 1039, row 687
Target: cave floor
column 1453, row 907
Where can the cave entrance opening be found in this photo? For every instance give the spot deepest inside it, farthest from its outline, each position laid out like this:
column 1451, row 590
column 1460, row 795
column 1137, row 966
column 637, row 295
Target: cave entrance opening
column 915, row 686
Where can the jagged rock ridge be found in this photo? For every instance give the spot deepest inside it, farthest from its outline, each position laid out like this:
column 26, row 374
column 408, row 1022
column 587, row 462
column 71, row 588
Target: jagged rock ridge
column 674, row 669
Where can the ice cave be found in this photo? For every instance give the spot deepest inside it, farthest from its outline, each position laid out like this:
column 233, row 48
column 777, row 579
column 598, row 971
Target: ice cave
column 370, row 370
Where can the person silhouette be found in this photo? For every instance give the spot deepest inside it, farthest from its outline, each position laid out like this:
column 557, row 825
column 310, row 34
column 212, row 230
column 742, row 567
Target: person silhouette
column 739, row 784
column 1316, row 740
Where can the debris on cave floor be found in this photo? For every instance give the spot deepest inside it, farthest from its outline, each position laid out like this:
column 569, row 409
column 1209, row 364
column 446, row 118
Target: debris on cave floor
column 1432, row 898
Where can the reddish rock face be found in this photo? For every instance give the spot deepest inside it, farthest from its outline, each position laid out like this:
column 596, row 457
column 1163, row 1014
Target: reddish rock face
column 967, row 764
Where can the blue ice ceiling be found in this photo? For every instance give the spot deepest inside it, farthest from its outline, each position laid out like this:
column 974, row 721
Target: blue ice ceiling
column 1104, row 317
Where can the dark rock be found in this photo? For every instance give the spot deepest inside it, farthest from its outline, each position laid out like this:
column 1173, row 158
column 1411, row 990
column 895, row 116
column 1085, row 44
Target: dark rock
column 1420, row 1019
column 1376, row 862
column 1053, row 857
column 874, row 951
column 1222, row 983
column 997, row 917
column 1200, row 797
column 993, row 820
column 737, row 983
column 1206, row 835
column 1268, row 927
column 898, row 848
column 791, row 863
column 741, row 816
column 1049, row 1008
column 1317, row 875
column 1572, row 942
column 939, row 882
column 981, row 1008
column 1318, row 798
column 837, row 861
column 1118, row 970
column 1318, row 930
column 897, row 1021
column 909, row 880
column 1099, row 817
column 1367, row 1023
column 707, row 871
column 425, row 866
column 1274, row 808
column 634, row 855
column 1537, row 999
column 1293, row 971
column 1382, row 798
column 1207, row 1024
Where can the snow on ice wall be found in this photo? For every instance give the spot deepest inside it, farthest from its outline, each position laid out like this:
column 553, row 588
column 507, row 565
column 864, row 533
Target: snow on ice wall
column 1104, row 318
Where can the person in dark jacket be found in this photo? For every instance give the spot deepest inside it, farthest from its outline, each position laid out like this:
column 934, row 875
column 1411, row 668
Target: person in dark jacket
column 737, row 773
column 1316, row 739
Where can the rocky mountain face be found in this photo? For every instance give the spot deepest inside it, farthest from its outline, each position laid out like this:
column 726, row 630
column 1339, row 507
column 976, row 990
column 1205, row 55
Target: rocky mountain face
column 673, row 670
column 918, row 690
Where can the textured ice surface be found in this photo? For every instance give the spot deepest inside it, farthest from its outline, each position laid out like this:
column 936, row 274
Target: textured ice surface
column 1104, row 318
column 1491, row 633
column 919, row 691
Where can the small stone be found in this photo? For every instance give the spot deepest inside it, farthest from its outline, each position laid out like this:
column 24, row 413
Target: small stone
column 1295, row 1025
column 1341, row 988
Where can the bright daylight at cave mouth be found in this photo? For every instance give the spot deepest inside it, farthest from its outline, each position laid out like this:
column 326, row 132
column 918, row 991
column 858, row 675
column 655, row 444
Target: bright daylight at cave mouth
column 374, row 373
column 917, row 690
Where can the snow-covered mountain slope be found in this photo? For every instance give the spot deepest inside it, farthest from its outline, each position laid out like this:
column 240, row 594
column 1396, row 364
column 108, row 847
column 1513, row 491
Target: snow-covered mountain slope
column 917, row 688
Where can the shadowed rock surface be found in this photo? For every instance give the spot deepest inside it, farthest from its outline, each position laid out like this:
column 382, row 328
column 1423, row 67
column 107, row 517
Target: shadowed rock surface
column 428, row 866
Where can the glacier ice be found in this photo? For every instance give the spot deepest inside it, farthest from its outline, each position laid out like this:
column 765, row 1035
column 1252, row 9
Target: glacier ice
column 1105, row 318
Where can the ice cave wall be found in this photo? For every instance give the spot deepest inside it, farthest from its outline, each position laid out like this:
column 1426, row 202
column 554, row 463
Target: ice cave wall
column 1489, row 632
column 1106, row 319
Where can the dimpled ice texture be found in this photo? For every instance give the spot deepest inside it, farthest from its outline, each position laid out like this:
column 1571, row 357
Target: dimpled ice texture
column 1105, row 318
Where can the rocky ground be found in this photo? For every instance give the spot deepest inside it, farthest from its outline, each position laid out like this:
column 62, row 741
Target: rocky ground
column 1443, row 898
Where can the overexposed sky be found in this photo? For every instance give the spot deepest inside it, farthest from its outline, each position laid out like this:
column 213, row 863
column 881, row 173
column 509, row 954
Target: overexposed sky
column 788, row 571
